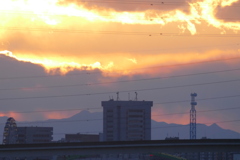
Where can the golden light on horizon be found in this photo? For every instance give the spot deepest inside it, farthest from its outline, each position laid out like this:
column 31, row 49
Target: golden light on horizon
column 26, row 18
column 48, row 10
column 126, row 66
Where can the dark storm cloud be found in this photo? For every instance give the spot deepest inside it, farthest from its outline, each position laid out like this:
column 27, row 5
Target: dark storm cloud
column 11, row 68
column 73, row 85
column 229, row 13
column 22, row 79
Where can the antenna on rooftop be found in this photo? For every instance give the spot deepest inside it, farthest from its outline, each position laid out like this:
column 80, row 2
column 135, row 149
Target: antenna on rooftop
column 136, row 96
column 117, row 96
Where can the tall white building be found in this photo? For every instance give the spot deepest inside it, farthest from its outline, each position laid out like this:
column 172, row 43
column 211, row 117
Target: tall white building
column 126, row 120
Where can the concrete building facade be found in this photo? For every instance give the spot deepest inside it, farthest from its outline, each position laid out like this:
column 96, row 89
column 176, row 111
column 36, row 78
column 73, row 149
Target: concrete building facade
column 28, row 135
column 126, row 120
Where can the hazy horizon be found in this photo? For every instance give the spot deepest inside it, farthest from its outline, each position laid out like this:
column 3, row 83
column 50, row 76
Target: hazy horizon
column 58, row 57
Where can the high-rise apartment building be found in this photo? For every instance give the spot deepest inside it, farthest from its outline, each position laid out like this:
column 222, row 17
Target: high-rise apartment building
column 126, row 120
column 34, row 134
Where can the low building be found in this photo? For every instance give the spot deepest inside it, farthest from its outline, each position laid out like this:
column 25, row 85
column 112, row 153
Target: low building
column 82, row 137
column 28, row 135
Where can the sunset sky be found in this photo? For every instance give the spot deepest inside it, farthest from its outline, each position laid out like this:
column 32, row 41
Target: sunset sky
column 58, row 57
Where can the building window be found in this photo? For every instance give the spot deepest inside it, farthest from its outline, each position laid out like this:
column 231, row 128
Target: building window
column 135, row 110
column 135, row 116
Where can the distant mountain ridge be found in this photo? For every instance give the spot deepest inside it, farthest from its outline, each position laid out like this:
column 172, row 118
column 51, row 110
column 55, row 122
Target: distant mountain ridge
column 87, row 122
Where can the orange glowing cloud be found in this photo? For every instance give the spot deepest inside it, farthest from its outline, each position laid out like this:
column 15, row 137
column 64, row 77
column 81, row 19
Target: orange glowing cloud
column 160, row 114
column 178, row 115
column 32, row 89
column 17, row 116
column 47, row 10
column 63, row 38
column 63, row 67
column 128, row 66
column 40, row 115
column 59, row 114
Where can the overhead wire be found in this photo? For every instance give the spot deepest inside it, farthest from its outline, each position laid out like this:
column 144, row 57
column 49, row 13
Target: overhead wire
column 187, row 85
column 137, row 80
column 97, row 108
column 110, row 17
column 152, row 2
column 166, row 126
column 97, row 119
column 124, row 81
column 120, row 91
column 201, row 111
column 159, row 127
column 119, row 70
column 160, row 34
column 167, row 114
column 201, row 99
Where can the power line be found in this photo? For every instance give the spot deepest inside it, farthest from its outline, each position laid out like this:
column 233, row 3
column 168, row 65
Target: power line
column 95, row 72
column 97, row 108
column 185, row 48
column 87, row 120
column 122, row 91
column 135, row 2
column 160, row 34
column 110, row 17
column 144, row 1
column 123, row 81
column 171, row 126
column 154, row 104
column 162, row 3
column 201, row 99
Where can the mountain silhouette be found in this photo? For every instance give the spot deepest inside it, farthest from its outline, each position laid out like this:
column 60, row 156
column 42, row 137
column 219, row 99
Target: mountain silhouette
column 92, row 123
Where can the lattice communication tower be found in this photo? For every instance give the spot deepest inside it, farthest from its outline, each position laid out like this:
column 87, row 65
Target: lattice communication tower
column 193, row 116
